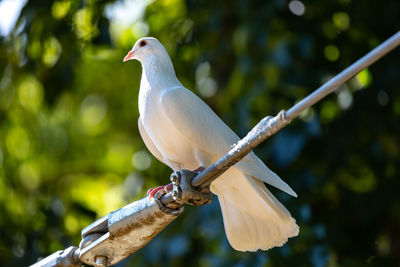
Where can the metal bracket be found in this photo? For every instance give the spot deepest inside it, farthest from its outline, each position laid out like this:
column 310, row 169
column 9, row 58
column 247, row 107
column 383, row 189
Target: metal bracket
column 122, row 232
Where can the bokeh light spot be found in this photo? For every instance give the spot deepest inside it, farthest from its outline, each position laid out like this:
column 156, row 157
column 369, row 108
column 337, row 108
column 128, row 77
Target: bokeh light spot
column 383, row 98
column 71, row 224
column 363, row 79
column 345, row 98
column 84, row 28
column 206, row 86
column 60, row 9
column 328, row 111
column 133, row 184
column 34, row 49
column 140, row 29
column 383, row 244
column 331, row 52
column 51, row 52
column 141, row 160
column 119, row 155
column 58, row 207
column 29, row 174
column 341, row 20
column 30, row 93
column 307, row 114
column 297, row 7
column 18, row 143
column 93, row 111
column 102, row 193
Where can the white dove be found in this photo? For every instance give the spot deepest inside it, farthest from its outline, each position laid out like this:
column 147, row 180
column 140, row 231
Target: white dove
column 183, row 132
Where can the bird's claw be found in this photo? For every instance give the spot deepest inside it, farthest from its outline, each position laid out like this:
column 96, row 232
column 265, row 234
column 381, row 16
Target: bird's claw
column 184, row 193
column 162, row 189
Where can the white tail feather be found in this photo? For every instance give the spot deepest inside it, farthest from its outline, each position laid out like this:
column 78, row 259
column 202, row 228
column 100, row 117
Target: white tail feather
column 251, row 165
column 253, row 218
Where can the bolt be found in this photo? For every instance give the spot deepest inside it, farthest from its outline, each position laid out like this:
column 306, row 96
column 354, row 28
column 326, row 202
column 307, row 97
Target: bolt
column 101, row 261
column 175, row 178
column 174, row 194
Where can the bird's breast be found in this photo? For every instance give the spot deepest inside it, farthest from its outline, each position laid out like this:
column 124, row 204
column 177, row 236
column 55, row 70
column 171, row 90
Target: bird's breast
column 175, row 148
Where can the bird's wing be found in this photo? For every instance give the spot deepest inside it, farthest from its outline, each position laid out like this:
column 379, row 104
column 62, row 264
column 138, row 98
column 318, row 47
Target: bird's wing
column 149, row 144
column 206, row 131
column 196, row 121
column 252, row 165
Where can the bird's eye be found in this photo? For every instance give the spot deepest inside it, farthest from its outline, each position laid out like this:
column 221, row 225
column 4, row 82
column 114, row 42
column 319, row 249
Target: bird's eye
column 142, row 43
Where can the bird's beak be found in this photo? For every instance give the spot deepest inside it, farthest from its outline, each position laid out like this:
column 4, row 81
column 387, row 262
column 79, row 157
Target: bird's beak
column 129, row 56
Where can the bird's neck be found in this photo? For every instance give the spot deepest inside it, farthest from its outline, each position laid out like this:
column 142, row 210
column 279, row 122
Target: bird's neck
column 159, row 72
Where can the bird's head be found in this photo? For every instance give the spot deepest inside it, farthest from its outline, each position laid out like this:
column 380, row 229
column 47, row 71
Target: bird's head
column 145, row 47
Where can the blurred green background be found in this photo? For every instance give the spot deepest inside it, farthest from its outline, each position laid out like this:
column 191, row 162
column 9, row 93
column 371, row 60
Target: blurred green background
column 70, row 150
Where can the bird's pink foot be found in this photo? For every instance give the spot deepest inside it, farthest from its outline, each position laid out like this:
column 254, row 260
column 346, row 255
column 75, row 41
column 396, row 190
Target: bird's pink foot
column 165, row 188
column 199, row 169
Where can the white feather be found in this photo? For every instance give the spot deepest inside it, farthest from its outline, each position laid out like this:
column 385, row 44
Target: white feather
column 253, row 218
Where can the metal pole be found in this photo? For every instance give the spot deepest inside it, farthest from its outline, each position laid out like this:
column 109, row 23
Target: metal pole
column 344, row 76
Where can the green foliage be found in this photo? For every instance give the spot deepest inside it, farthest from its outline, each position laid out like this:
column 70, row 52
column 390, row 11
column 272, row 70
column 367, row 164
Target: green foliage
column 70, row 150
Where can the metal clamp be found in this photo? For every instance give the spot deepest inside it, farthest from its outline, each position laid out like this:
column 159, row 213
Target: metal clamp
column 184, row 192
